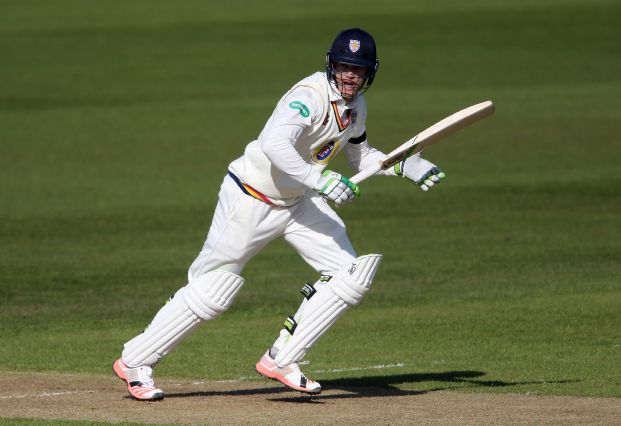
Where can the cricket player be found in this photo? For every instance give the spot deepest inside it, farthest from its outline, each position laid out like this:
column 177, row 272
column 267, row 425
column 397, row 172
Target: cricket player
column 281, row 187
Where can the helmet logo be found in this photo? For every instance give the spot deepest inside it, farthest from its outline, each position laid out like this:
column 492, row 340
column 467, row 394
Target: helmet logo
column 354, row 45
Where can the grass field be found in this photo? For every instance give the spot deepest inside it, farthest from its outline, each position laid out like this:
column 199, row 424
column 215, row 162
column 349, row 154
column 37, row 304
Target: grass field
column 117, row 121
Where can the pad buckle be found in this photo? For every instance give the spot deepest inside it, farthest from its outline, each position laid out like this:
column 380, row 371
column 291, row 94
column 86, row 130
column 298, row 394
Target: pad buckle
column 308, row 290
column 290, row 325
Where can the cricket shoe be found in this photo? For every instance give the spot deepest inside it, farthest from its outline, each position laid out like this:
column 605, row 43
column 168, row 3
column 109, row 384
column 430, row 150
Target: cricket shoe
column 139, row 381
column 290, row 376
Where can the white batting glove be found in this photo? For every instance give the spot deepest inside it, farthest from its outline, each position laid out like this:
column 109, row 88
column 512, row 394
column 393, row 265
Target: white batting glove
column 423, row 172
column 336, row 187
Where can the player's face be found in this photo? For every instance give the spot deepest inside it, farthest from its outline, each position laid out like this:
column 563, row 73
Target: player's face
column 349, row 79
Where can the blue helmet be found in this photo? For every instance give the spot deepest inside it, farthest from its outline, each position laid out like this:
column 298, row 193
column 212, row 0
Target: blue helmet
column 353, row 46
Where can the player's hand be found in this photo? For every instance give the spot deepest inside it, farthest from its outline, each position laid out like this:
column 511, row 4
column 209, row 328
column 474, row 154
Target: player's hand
column 423, row 172
column 336, row 187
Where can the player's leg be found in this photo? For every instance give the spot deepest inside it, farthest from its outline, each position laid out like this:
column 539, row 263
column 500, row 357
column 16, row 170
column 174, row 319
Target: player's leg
column 234, row 237
column 319, row 235
column 241, row 227
column 325, row 303
column 201, row 300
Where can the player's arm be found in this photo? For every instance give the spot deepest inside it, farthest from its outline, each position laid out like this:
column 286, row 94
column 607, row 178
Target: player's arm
column 362, row 155
column 299, row 110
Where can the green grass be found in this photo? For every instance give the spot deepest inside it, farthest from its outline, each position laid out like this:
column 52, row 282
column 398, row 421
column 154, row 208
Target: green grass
column 117, row 122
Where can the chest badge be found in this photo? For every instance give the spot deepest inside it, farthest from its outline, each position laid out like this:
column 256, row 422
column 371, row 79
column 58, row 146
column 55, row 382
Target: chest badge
column 323, row 154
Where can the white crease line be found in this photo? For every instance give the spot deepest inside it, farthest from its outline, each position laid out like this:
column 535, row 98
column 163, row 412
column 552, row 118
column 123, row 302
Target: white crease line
column 204, row 382
column 41, row 395
column 372, row 367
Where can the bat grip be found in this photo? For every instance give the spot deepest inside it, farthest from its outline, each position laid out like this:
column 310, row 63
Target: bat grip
column 363, row 174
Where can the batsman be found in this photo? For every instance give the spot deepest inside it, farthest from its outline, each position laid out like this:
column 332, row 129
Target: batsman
column 281, row 187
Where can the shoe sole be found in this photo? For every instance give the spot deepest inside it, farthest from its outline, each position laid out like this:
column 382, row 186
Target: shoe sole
column 270, row 375
column 118, row 372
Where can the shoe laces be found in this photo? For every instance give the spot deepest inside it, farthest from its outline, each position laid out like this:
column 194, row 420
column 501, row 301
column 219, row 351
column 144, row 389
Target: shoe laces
column 146, row 376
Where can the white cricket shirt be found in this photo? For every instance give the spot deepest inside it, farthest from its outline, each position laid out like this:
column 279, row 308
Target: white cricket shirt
column 310, row 124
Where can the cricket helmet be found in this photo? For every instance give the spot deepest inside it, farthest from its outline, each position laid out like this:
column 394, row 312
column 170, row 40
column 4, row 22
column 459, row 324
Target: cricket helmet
column 353, row 46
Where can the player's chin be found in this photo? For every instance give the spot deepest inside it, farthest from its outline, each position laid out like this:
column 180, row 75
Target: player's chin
column 349, row 93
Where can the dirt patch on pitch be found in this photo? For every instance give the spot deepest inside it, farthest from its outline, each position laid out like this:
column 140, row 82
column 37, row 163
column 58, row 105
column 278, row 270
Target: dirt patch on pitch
column 98, row 398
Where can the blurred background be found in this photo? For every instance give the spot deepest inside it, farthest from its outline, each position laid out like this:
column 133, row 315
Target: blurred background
column 118, row 120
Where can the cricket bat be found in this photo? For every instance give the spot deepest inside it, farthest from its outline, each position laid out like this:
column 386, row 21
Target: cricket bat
column 430, row 135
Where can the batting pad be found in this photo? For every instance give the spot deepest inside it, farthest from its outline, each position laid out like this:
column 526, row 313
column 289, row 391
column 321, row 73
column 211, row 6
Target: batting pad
column 203, row 299
column 332, row 298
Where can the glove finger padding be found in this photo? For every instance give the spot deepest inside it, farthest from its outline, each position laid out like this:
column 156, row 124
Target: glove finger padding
column 424, row 173
column 345, row 197
column 336, row 187
column 338, row 193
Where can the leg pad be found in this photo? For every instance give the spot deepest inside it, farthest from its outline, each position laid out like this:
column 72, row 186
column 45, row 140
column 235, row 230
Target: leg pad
column 203, row 299
column 318, row 312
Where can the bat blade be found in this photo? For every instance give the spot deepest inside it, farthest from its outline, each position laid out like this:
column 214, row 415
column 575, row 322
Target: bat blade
column 430, row 135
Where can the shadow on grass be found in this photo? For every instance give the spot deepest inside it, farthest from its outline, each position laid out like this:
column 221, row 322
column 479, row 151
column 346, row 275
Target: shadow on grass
column 373, row 386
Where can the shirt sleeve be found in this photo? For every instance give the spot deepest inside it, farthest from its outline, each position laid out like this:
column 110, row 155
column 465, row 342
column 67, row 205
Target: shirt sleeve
column 360, row 154
column 294, row 113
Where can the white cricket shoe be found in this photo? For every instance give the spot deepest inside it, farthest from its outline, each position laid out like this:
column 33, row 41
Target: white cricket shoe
column 139, row 381
column 290, row 376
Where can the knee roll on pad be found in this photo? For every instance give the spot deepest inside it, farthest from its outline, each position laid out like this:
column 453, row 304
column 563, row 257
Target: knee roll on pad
column 203, row 299
column 326, row 305
column 352, row 283
column 212, row 293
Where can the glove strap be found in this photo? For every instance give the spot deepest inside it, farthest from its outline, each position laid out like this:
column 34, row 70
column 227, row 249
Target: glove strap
column 398, row 168
column 351, row 186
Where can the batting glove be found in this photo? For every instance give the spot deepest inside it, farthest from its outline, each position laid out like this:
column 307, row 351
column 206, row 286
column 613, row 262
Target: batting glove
column 423, row 172
column 336, row 187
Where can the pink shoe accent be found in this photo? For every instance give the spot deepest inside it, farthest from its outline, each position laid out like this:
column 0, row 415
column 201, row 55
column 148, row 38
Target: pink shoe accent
column 141, row 390
column 290, row 376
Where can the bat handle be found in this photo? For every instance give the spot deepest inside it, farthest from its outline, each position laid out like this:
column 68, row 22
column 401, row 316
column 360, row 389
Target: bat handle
column 363, row 174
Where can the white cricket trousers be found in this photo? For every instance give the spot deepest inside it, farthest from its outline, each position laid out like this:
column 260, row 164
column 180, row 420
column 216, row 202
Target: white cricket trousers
column 243, row 225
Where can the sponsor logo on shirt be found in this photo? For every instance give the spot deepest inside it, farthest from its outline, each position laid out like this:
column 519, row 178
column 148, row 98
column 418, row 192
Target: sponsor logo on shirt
column 304, row 111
